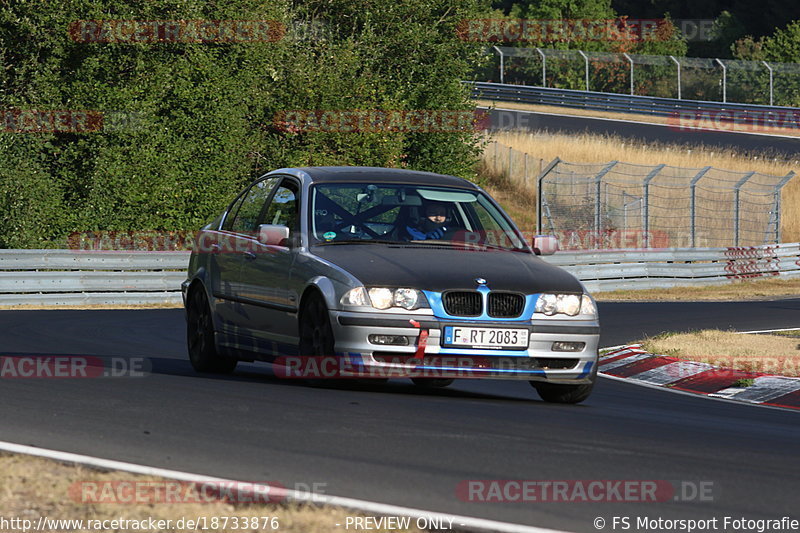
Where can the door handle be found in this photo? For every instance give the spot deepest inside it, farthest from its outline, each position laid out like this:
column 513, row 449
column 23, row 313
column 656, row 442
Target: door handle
column 250, row 256
column 214, row 248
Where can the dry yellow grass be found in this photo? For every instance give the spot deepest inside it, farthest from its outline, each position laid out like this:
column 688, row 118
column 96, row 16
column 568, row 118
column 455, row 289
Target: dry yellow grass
column 771, row 354
column 586, row 148
column 637, row 117
column 31, row 487
column 735, row 291
column 543, row 147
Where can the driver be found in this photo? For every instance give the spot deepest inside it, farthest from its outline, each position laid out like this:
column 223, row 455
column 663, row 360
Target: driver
column 433, row 225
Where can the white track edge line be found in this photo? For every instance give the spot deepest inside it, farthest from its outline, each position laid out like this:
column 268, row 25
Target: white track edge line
column 768, row 330
column 350, row 503
column 691, row 129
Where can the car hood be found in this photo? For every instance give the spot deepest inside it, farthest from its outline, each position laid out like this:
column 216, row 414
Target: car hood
column 438, row 269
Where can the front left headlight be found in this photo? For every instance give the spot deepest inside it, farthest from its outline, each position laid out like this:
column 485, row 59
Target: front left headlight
column 565, row 304
column 385, row 298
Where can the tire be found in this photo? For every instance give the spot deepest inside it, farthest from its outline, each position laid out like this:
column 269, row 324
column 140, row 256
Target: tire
column 200, row 337
column 432, row 383
column 558, row 393
column 316, row 335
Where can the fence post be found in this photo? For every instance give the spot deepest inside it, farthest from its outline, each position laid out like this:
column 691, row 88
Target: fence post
column 598, row 179
column 678, row 63
column 769, row 68
column 724, row 79
column 693, row 203
column 631, row 62
column 778, row 188
column 539, row 179
column 544, row 67
column 586, row 67
column 646, row 204
column 502, row 65
column 736, row 190
column 510, row 161
column 525, row 170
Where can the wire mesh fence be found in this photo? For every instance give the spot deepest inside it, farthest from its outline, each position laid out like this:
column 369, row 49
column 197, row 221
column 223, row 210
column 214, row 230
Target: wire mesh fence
column 625, row 205
column 708, row 79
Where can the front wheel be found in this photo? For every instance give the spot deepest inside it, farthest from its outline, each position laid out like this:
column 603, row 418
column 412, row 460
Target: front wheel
column 316, row 337
column 558, row 393
column 200, row 337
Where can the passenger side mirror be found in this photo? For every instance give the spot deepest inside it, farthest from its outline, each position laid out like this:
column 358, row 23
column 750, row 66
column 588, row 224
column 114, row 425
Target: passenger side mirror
column 545, row 245
column 273, row 235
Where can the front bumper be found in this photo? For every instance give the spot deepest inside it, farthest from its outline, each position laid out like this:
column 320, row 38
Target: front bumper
column 426, row 356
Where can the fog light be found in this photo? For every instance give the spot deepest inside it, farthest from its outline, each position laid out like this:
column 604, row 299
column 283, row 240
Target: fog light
column 392, row 340
column 561, row 346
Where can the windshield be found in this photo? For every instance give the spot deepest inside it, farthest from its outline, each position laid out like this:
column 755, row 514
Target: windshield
column 398, row 213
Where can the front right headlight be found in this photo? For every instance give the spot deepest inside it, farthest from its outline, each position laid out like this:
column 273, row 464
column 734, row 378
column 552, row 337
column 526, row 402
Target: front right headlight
column 385, row 298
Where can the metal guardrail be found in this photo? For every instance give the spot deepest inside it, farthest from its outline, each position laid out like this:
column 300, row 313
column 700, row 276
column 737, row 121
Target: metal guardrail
column 78, row 277
column 66, row 277
column 649, row 105
column 671, row 267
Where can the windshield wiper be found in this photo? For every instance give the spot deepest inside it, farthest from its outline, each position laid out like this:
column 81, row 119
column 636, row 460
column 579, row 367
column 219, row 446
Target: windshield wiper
column 360, row 241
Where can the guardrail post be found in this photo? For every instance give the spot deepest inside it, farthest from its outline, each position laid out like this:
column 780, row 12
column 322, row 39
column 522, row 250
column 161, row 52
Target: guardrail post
column 502, row 66
column 646, row 204
column 544, row 67
column 784, row 181
column 586, row 67
column 631, row 62
column 598, row 179
column 724, row 79
column 769, row 68
column 736, row 190
column 678, row 63
column 693, row 203
column 539, row 179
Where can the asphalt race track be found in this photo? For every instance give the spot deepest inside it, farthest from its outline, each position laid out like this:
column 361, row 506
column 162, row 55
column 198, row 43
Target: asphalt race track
column 782, row 147
column 396, row 444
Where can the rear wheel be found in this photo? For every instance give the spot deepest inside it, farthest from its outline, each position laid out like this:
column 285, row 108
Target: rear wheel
column 432, row 383
column 200, row 337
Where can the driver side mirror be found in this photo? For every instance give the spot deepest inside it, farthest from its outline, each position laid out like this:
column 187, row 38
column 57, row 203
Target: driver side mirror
column 545, row 245
column 273, row 235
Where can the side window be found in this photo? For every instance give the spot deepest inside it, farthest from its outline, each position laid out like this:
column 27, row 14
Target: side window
column 284, row 207
column 245, row 219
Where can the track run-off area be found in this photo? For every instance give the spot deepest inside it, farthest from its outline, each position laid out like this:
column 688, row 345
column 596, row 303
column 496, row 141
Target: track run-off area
column 397, row 444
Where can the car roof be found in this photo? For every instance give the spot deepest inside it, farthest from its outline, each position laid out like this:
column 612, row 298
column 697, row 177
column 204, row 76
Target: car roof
column 384, row 175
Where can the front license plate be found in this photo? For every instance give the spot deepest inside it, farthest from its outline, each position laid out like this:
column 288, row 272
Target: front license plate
column 498, row 338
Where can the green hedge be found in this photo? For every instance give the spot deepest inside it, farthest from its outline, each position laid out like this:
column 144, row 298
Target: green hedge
column 201, row 116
